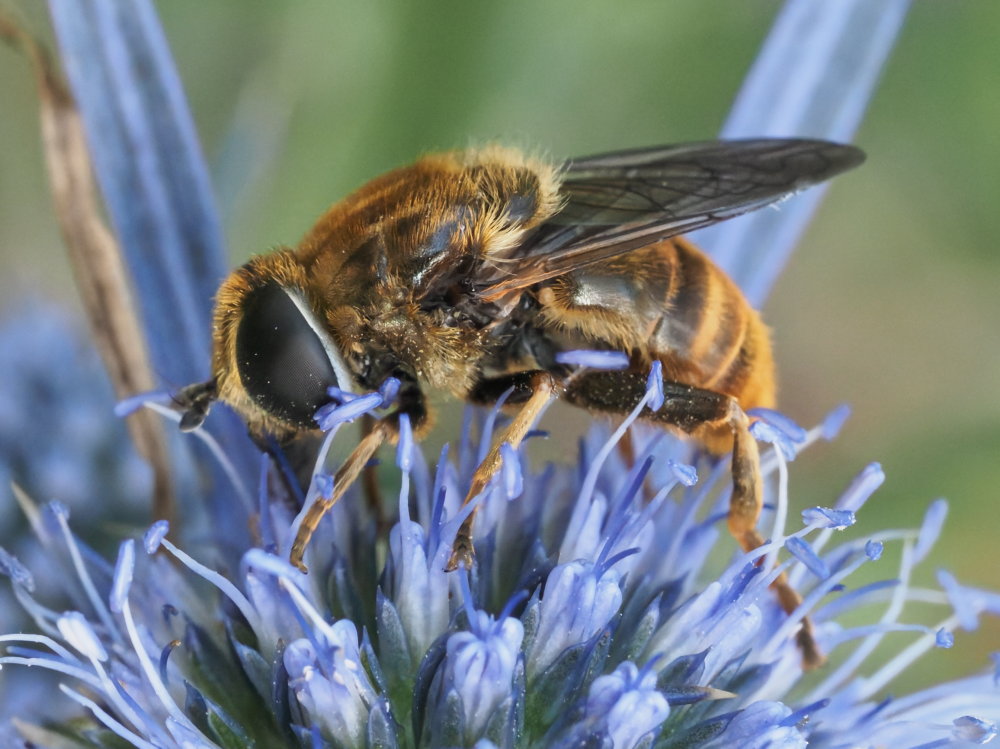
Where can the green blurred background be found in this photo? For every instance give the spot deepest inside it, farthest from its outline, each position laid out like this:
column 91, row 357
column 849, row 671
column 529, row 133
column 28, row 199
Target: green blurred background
column 891, row 303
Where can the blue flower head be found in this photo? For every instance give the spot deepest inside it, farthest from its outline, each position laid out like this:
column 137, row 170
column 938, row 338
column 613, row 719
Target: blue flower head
column 641, row 646
column 605, row 607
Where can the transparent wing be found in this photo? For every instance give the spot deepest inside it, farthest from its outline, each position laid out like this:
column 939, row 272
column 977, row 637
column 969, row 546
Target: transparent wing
column 617, row 202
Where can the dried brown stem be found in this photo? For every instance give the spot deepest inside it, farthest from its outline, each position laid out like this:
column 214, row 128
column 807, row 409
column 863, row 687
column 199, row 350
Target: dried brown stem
column 95, row 257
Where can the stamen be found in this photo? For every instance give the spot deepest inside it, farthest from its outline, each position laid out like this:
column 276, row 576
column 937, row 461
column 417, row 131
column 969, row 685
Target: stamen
column 654, row 386
column 76, row 630
column 231, row 591
column 107, row 720
column 762, row 431
column 404, row 448
column 802, row 551
column 122, row 579
column 781, row 508
column 266, row 529
column 165, row 656
column 48, row 642
column 825, row 517
column 128, row 406
column 217, row 452
column 150, row 671
column 777, row 420
column 930, row 529
column 834, row 422
column 603, row 360
column 82, row 574
column 904, row 659
column 17, row 572
column 330, row 415
column 510, row 472
column 849, row 667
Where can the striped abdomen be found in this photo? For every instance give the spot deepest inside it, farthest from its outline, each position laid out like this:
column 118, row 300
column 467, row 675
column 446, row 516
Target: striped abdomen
column 667, row 302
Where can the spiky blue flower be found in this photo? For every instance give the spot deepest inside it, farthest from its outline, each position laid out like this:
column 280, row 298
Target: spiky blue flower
column 644, row 646
column 51, row 448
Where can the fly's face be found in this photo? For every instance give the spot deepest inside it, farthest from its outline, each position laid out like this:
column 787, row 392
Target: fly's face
column 275, row 358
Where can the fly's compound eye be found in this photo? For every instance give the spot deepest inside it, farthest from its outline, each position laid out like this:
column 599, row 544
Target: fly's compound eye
column 286, row 359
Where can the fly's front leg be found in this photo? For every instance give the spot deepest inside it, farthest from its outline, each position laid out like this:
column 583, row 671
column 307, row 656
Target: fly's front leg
column 412, row 404
column 702, row 412
column 744, row 511
column 532, row 389
column 342, row 480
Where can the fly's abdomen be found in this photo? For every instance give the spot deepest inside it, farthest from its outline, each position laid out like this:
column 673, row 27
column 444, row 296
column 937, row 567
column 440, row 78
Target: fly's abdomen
column 707, row 323
column 667, row 302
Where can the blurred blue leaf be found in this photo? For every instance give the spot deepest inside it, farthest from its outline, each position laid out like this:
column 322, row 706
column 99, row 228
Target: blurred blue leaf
column 155, row 184
column 151, row 172
column 814, row 77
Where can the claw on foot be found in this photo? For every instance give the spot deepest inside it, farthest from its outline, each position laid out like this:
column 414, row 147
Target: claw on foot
column 462, row 555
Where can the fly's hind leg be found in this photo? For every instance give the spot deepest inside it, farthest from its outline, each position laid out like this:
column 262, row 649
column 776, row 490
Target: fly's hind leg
column 532, row 391
column 697, row 411
column 744, row 510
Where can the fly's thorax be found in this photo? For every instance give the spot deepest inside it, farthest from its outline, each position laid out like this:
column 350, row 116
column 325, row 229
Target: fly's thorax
column 430, row 222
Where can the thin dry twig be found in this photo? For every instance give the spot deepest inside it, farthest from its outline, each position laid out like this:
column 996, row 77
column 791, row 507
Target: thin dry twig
column 96, row 258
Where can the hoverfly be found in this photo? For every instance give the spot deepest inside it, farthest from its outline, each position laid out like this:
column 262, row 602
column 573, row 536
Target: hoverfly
column 470, row 271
